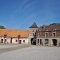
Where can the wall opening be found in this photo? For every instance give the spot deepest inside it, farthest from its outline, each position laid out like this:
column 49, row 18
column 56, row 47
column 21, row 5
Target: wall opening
column 33, row 42
column 20, row 41
column 41, row 42
column 11, row 41
column 54, row 42
column 46, row 42
column 1, row 40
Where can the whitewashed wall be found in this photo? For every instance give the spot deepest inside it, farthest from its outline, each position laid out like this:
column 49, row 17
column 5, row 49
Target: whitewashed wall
column 8, row 39
column 26, row 40
column 14, row 40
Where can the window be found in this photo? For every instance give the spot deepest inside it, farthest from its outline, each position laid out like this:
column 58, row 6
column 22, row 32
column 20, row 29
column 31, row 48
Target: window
column 54, row 34
column 46, row 34
column 23, row 41
column 16, row 40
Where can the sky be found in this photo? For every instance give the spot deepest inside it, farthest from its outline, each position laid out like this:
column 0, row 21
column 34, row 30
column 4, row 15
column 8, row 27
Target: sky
column 21, row 14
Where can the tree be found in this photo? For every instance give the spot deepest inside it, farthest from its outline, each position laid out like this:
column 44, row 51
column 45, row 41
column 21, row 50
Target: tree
column 2, row 27
column 55, row 24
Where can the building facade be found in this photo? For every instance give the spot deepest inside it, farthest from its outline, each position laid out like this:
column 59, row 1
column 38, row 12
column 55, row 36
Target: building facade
column 32, row 29
column 14, row 36
column 43, row 35
column 48, row 35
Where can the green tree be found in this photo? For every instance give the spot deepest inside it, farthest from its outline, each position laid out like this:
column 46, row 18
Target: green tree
column 55, row 24
column 2, row 27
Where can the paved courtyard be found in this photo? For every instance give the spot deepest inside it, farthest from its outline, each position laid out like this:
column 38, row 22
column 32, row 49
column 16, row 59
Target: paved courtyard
column 11, row 47
column 2, row 46
column 32, row 53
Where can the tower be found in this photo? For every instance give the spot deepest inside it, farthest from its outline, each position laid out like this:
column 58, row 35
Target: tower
column 32, row 30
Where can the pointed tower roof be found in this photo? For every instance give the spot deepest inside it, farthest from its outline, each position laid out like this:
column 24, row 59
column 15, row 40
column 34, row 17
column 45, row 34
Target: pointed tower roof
column 34, row 25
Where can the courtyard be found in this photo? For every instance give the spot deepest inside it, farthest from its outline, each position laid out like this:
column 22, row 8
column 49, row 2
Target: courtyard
column 32, row 53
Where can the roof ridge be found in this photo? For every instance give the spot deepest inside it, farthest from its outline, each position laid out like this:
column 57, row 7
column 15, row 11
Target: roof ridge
column 34, row 25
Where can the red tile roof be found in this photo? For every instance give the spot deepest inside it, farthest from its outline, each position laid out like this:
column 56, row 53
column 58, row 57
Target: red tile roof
column 14, row 33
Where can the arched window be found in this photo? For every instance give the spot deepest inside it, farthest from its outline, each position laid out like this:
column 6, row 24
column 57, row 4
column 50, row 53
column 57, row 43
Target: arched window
column 54, row 34
column 46, row 34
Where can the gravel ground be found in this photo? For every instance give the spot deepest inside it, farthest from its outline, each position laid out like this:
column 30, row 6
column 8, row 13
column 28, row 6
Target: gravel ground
column 2, row 46
column 11, row 47
column 32, row 53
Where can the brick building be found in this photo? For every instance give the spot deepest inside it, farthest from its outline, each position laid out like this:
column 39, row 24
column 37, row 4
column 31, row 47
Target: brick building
column 32, row 29
column 45, row 35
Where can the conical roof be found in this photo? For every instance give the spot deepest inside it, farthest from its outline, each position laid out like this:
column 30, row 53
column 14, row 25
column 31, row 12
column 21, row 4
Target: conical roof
column 34, row 25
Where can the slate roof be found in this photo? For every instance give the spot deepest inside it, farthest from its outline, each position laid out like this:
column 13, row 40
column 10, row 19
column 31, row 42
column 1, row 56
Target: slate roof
column 34, row 25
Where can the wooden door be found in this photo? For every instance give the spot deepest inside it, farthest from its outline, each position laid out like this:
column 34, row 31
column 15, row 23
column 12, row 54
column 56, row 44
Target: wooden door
column 1, row 40
column 11, row 40
column 19, row 41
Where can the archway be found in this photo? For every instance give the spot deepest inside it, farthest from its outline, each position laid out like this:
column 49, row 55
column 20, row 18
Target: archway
column 33, row 42
column 46, row 42
column 54, row 42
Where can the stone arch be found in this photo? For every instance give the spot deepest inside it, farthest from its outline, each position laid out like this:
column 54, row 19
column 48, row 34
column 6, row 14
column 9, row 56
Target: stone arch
column 54, row 42
column 33, row 42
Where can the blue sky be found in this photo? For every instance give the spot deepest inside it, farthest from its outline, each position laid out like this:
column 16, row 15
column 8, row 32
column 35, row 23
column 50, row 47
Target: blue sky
column 20, row 14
